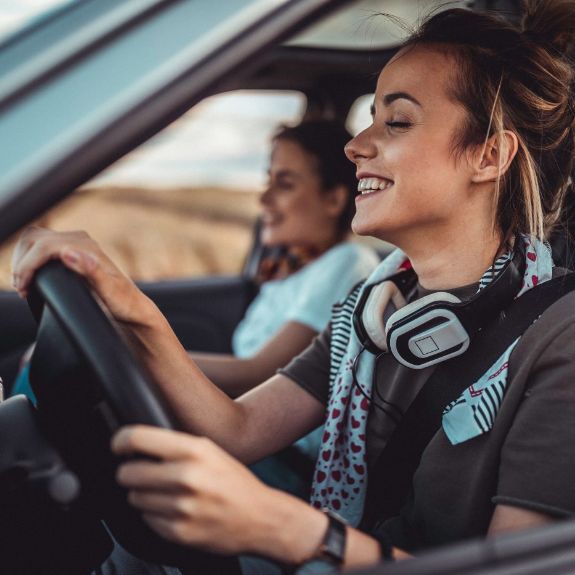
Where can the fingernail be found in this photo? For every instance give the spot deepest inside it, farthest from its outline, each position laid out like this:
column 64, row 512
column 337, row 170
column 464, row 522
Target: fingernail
column 91, row 261
column 71, row 256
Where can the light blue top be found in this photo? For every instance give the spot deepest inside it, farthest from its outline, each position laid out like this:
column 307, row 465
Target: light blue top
column 307, row 297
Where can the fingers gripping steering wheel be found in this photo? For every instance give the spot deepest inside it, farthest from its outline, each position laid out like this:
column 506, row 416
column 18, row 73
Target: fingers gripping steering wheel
column 88, row 384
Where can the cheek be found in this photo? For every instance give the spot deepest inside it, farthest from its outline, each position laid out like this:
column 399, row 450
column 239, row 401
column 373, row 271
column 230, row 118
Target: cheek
column 302, row 208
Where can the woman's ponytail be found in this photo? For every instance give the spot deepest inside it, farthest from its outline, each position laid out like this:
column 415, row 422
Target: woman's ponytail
column 522, row 79
column 551, row 23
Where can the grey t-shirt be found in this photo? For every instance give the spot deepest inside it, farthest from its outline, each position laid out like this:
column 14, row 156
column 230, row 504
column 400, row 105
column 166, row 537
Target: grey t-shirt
column 525, row 460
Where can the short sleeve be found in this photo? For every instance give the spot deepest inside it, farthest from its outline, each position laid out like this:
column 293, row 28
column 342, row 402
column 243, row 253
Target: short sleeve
column 537, row 466
column 310, row 369
column 329, row 280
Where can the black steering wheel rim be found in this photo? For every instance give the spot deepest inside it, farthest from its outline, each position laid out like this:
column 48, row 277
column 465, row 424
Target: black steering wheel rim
column 75, row 314
column 99, row 343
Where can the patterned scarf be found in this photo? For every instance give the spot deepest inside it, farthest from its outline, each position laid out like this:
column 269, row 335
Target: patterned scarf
column 340, row 478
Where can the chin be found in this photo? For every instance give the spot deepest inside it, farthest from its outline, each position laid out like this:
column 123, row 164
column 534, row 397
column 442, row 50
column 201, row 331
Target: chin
column 382, row 229
column 271, row 241
column 363, row 228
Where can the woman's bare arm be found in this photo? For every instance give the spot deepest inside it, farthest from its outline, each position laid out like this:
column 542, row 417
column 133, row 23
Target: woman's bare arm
column 258, row 423
column 507, row 518
column 236, row 375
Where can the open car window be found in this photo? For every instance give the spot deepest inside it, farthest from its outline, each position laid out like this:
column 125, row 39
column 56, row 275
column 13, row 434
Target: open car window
column 184, row 204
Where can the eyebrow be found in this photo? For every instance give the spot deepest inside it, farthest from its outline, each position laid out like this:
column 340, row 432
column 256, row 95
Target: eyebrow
column 284, row 173
column 388, row 99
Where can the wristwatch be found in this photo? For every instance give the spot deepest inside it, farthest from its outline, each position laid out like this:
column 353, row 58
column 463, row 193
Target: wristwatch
column 332, row 547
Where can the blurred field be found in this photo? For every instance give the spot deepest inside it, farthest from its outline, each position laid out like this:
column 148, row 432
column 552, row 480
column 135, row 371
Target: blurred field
column 158, row 234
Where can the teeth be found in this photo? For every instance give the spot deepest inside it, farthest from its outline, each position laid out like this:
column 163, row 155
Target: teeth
column 370, row 185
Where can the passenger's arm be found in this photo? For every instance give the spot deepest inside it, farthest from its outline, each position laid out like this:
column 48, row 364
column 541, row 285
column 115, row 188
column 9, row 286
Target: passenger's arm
column 236, row 375
column 260, row 423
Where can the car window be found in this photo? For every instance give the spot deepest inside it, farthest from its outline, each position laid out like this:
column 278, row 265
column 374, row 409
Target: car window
column 359, row 117
column 360, row 25
column 183, row 204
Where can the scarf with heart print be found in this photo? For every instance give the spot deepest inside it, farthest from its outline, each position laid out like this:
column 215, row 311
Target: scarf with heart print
column 340, row 478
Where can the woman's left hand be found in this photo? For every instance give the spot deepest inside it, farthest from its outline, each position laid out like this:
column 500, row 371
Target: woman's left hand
column 195, row 493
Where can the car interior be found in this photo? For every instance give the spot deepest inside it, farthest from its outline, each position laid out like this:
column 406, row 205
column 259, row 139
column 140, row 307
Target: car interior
column 83, row 372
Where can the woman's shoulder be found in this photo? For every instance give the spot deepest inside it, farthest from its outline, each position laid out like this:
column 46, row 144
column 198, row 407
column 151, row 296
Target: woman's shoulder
column 330, row 277
column 350, row 253
column 550, row 340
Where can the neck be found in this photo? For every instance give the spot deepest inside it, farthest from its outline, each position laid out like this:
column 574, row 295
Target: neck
column 442, row 263
column 320, row 245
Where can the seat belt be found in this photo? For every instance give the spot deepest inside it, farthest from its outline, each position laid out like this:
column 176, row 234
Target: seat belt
column 451, row 378
column 448, row 381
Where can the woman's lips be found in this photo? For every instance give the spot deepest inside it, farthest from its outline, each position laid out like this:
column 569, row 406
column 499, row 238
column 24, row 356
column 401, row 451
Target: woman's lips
column 269, row 219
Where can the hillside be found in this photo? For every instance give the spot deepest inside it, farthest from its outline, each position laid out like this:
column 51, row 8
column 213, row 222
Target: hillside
column 158, row 234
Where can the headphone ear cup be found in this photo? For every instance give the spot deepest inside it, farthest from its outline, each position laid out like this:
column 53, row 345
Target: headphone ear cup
column 372, row 316
column 417, row 305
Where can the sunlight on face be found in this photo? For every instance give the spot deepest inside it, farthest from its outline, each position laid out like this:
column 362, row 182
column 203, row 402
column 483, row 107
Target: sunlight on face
column 409, row 176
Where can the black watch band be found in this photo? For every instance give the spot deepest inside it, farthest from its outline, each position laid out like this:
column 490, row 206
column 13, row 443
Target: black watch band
column 332, row 548
column 385, row 546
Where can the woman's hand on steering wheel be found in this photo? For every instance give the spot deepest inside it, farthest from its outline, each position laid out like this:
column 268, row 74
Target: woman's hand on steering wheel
column 195, row 493
column 80, row 253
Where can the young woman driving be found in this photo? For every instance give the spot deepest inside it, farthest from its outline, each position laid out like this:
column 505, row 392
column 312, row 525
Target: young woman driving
column 464, row 168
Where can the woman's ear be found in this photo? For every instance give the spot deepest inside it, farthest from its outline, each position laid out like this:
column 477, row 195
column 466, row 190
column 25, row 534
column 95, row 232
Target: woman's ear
column 336, row 200
column 494, row 157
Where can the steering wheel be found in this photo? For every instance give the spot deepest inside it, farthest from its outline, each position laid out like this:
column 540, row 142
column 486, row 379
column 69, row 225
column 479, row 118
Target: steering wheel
column 88, row 383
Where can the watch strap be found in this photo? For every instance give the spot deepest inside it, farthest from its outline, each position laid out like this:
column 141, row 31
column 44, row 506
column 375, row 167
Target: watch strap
column 332, row 547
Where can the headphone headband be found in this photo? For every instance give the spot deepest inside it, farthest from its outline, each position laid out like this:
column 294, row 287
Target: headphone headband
column 439, row 326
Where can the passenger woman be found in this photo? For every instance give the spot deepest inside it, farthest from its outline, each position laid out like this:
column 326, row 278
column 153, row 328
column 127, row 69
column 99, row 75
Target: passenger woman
column 464, row 168
column 306, row 213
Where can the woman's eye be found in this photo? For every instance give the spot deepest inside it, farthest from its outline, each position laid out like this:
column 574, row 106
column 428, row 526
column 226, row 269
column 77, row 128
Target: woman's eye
column 284, row 185
column 399, row 125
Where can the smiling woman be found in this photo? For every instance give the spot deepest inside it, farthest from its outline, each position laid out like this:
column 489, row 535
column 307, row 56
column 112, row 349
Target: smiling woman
column 415, row 124
column 448, row 411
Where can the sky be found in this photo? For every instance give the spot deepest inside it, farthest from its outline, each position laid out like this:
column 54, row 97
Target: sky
column 223, row 141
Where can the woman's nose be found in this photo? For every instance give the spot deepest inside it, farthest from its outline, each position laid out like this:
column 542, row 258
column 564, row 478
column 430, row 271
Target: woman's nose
column 359, row 148
column 266, row 196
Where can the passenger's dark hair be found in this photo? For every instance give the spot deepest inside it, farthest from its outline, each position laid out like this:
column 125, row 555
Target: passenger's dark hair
column 517, row 78
column 324, row 140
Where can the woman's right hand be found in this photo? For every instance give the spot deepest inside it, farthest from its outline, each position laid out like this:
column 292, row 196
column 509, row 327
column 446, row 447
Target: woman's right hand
column 80, row 253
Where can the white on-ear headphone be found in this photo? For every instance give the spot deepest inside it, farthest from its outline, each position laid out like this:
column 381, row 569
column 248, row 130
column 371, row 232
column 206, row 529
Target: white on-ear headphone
column 436, row 327
column 373, row 315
